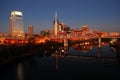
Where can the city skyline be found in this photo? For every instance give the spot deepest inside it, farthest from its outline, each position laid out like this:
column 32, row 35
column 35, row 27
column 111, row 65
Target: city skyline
column 103, row 15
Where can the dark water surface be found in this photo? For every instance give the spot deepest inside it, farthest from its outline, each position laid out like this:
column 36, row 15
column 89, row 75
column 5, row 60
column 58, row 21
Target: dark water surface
column 76, row 65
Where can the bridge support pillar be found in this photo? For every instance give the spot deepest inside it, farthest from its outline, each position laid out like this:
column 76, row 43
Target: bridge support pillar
column 99, row 42
column 65, row 42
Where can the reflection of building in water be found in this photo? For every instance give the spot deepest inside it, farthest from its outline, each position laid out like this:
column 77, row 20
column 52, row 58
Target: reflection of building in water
column 56, row 56
column 99, row 53
column 84, row 59
column 65, row 50
column 57, row 64
column 61, row 52
column 20, row 71
column 83, row 48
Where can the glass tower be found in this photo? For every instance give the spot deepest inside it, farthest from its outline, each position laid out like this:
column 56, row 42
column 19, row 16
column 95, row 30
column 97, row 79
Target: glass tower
column 16, row 25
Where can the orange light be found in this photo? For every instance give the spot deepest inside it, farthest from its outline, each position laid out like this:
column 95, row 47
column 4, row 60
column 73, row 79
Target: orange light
column 12, row 42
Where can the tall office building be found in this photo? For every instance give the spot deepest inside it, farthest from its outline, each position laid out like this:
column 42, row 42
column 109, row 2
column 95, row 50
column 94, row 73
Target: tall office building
column 55, row 25
column 30, row 30
column 16, row 25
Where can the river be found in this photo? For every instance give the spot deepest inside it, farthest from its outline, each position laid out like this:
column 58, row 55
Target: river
column 77, row 64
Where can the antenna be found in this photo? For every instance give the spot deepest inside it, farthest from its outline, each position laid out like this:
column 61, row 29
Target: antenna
column 55, row 15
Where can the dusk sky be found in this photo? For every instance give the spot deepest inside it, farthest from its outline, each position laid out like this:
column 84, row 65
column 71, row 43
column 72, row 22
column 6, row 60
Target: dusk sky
column 103, row 15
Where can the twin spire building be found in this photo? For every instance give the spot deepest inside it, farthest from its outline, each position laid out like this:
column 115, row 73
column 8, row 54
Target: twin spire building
column 59, row 28
column 55, row 25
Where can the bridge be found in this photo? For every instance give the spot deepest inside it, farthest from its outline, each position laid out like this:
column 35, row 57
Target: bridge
column 84, row 59
column 79, row 39
column 64, row 53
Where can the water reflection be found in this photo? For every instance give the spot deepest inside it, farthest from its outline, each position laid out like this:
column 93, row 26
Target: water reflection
column 20, row 71
column 88, row 52
column 83, row 48
column 56, row 56
column 92, row 55
column 99, row 53
column 115, row 48
column 89, row 58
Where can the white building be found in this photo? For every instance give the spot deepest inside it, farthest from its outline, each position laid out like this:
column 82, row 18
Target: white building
column 16, row 25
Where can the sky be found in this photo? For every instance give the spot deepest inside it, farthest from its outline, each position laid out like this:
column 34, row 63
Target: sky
column 102, row 15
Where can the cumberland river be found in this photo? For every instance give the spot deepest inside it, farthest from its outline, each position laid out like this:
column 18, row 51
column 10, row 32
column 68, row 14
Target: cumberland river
column 66, row 63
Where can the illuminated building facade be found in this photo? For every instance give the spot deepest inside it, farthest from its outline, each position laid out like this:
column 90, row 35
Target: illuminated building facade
column 104, row 34
column 55, row 25
column 114, row 34
column 30, row 30
column 85, row 28
column 63, row 26
column 16, row 25
column 59, row 29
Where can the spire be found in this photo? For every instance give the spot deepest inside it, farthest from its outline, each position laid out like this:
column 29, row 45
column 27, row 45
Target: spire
column 56, row 15
column 55, row 24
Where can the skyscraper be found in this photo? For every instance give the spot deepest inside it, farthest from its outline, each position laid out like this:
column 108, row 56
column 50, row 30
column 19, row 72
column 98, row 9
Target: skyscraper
column 55, row 25
column 16, row 25
column 30, row 30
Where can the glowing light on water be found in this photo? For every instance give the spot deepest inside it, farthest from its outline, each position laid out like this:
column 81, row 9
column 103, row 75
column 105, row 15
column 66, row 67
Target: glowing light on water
column 20, row 72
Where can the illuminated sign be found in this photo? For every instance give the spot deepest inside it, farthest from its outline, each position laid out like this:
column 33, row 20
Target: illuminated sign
column 16, row 13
